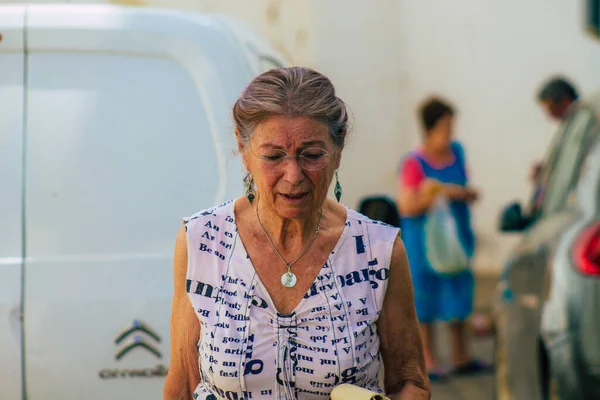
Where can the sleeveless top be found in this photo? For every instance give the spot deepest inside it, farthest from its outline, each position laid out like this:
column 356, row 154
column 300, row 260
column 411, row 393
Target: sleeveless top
column 413, row 227
column 247, row 350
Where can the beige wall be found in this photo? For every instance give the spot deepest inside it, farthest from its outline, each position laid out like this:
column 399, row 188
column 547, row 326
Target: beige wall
column 489, row 57
column 357, row 47
column 486, row 56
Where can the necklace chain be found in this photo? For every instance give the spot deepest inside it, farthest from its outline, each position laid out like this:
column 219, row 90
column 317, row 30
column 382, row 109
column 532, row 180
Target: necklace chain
column 288, row 265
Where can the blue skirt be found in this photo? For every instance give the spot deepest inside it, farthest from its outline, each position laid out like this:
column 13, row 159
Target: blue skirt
column 437, row 297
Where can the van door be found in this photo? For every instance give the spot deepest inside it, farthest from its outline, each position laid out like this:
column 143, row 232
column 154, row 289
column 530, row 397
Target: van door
column 12, row 60
column 128, row 130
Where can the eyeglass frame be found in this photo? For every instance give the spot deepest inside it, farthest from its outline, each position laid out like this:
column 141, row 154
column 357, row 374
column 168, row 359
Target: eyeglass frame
column 287, row 157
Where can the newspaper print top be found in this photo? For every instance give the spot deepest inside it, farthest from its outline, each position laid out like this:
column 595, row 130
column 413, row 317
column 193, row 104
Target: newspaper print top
column 247, row 350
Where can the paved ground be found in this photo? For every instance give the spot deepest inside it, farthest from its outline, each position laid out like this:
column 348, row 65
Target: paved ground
column 474, row 388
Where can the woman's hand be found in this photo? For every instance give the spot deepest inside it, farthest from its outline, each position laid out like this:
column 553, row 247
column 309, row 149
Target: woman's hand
column 431, row 188
column 461, row 193
column 471, row 195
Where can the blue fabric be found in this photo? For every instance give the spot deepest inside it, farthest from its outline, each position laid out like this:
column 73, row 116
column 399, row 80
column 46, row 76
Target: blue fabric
column 439, row 297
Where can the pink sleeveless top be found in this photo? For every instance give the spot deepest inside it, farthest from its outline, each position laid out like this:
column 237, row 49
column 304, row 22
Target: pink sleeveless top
column 247, row 350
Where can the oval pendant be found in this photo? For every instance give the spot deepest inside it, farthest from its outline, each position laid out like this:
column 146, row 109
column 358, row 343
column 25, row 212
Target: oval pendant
column 288, row 279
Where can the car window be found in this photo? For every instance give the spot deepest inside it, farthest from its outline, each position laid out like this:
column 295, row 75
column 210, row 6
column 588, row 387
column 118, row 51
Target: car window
column 590, row 168
column 597, row 198
column 565, row 164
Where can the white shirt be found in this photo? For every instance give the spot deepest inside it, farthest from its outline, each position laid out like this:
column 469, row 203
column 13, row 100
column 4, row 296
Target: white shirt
column 247, row 350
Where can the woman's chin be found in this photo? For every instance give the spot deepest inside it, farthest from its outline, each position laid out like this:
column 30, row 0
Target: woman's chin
column 294, row 208
column 294, row 213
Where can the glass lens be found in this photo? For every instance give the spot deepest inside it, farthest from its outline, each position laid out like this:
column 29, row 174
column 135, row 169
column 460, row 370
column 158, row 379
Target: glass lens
column 311, row 159
column 314, row 158
column 273, row 158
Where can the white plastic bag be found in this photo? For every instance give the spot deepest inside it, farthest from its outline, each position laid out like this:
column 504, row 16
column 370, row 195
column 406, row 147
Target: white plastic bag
column 443, row 248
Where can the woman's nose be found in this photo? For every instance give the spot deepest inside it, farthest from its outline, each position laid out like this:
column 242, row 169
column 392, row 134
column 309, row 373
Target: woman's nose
column 293, row 172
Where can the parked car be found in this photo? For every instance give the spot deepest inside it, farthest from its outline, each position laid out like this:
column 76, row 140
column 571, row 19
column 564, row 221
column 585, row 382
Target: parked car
column 547, row 305
column 114, row 123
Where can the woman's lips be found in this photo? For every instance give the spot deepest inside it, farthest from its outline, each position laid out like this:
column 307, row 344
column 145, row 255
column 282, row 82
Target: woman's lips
column 294, row 197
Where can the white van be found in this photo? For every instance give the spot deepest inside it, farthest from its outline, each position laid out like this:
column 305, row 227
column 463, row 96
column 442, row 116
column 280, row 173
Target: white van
column 114, row 123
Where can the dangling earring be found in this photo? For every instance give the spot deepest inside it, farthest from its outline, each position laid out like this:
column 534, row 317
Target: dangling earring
column 338, row 188
column 249, row 187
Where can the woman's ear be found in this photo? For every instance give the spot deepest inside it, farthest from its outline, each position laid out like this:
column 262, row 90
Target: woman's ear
column 242, row 147
column 240, row 142
column 337, row 158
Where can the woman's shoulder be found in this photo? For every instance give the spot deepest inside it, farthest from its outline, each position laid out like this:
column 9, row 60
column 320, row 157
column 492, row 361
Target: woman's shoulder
column 410, row 160
column 457, row 148
column 413, row 155
column 212, row 215
column 358, row 220
column 374, row 238
column 355, row 223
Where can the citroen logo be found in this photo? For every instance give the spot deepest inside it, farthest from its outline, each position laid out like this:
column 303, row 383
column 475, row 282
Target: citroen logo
column 137, row 335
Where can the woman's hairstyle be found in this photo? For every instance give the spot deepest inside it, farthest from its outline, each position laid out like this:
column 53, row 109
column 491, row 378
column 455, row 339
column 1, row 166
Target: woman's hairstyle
column 291, row 92
column 432, row 110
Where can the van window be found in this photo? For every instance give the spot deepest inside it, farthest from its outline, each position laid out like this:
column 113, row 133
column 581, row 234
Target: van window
column 119, row 149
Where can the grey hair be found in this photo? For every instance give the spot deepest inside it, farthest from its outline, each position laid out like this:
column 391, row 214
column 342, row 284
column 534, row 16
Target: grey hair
column 292, row 92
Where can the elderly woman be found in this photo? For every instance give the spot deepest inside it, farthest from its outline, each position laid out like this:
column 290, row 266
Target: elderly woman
column 437, row 168
column 285, row 293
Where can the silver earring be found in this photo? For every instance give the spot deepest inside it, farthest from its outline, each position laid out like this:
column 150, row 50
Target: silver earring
column 249, row 187
column 337, row 191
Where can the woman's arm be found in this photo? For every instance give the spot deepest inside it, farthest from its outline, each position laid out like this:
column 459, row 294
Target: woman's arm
column 460, row 193
column 416, row 201
column 416, row 192
column 413, row 202
column 183, row 375
column 400, row 337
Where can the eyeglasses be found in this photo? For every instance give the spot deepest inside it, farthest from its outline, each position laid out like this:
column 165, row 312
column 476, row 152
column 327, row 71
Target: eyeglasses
column 310, row 159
